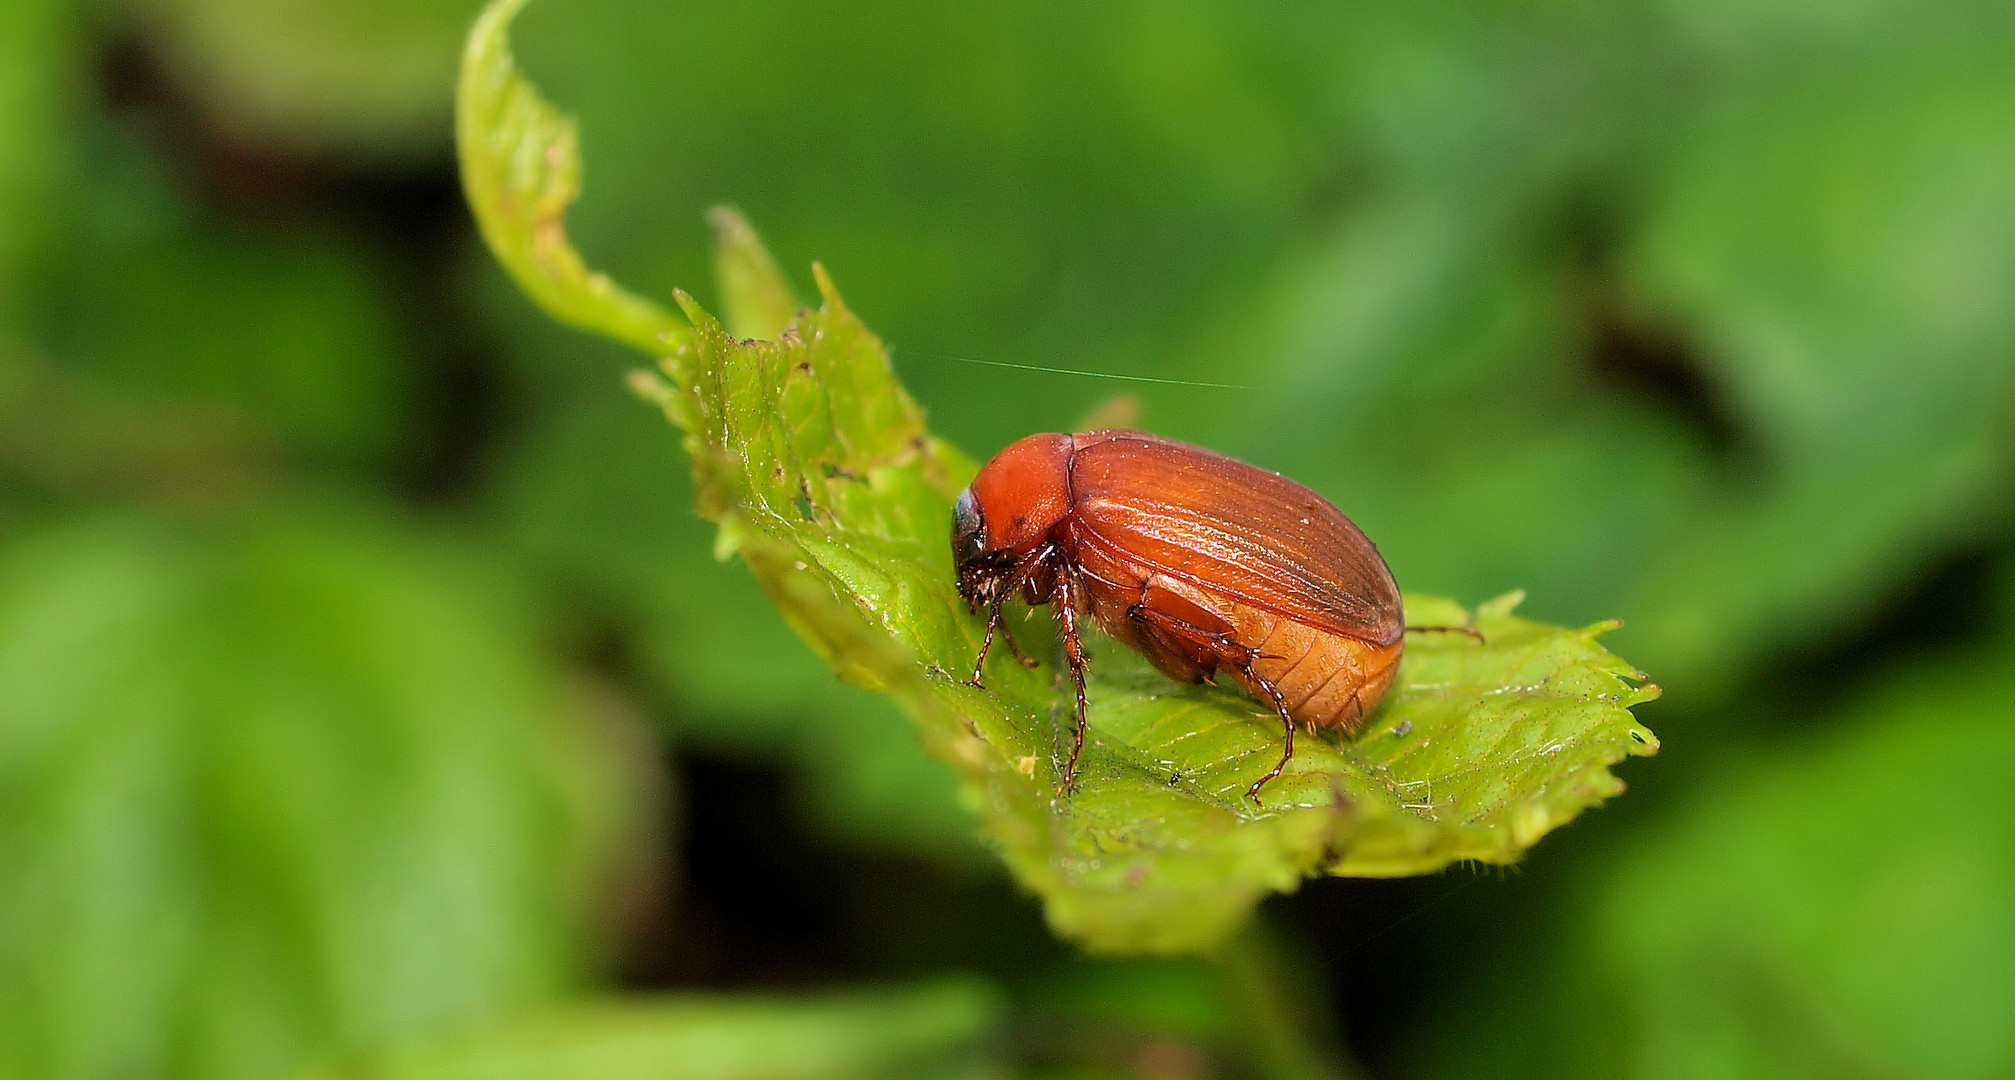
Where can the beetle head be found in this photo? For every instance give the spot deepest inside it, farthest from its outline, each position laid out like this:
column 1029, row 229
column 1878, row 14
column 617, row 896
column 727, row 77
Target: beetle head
column 982, row 570
column 1012, row 506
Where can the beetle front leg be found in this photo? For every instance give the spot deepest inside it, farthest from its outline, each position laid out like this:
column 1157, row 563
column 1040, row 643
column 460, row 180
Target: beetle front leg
column 1073, row 650
column 1014, row 581
column 987, row 642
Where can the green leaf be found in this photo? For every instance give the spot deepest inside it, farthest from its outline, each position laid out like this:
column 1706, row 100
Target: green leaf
column 37, row 38
column 271, row 793
column 821, row 474
column 754, row 295
column 1838, row 910
column 521, row 169
column 921, row 1033
column 366, row 78
column 292, row 340
column 1842, row 249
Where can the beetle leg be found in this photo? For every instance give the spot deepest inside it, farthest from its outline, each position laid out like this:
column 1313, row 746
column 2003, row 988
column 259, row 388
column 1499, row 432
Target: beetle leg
column 1073, row 650
column 1208, row 649
column 1021, row 657
column 1287, row 724
column 987, row 642
column 1185, row 639
column 1021, row 575
column 1471, row 630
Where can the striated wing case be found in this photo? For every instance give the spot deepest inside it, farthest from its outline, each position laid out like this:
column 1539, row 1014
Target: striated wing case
column 1231, row 527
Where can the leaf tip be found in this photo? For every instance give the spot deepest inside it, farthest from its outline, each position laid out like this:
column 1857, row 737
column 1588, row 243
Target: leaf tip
column 490, row 30
column 1502, row 606
column 829, row 293
column 755, row 299
column 695, row 314
column 728, row 223
column 649, row 386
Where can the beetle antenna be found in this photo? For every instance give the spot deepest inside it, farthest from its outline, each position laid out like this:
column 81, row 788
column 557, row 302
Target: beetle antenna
column 1097, row 374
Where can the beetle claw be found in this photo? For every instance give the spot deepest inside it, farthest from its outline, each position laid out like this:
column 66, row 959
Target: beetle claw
column 1068, row 784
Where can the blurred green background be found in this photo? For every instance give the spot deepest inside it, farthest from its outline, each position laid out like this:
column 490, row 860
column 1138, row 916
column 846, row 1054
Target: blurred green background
column 370, row 701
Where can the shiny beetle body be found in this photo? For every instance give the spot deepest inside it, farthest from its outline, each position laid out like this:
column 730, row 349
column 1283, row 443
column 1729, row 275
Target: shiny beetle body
column 1204, row 564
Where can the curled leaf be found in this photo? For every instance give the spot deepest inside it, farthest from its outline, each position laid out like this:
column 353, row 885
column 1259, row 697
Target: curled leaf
column 521, row 169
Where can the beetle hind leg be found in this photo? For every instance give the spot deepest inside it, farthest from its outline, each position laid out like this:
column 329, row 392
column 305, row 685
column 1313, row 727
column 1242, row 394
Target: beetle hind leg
column 1180, row 646
column 1183, row 639
column 1469, row 630
column 1287, row 728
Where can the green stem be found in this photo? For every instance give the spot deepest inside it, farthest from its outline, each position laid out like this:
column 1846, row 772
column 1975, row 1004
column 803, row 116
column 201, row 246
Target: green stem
column 1278, row 1010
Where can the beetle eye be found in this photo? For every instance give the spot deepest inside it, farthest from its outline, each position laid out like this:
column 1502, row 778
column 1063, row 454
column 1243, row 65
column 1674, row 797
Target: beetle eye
column 969, row 531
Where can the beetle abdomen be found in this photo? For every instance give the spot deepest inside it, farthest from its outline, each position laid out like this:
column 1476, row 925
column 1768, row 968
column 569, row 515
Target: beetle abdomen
column 1327, row 680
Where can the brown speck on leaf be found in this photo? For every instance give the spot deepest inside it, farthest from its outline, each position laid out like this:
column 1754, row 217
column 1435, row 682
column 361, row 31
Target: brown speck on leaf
column 1341, row 806
column 1163, row 1059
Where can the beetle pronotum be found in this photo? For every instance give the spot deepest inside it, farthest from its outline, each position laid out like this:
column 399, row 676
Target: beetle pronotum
column 1202, row 563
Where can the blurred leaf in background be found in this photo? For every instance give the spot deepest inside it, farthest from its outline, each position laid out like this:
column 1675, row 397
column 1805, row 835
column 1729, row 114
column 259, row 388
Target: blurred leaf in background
column 1825, row 245
column 1843, row 247
column 1877, row 935
column 1836, row 906
column 275, row 790
column 362, row 79
column 37, row 47
column 161, row 304
column 945, row 1031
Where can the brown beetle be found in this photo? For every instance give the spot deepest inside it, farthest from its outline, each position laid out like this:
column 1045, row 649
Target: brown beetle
column 1200, row 562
